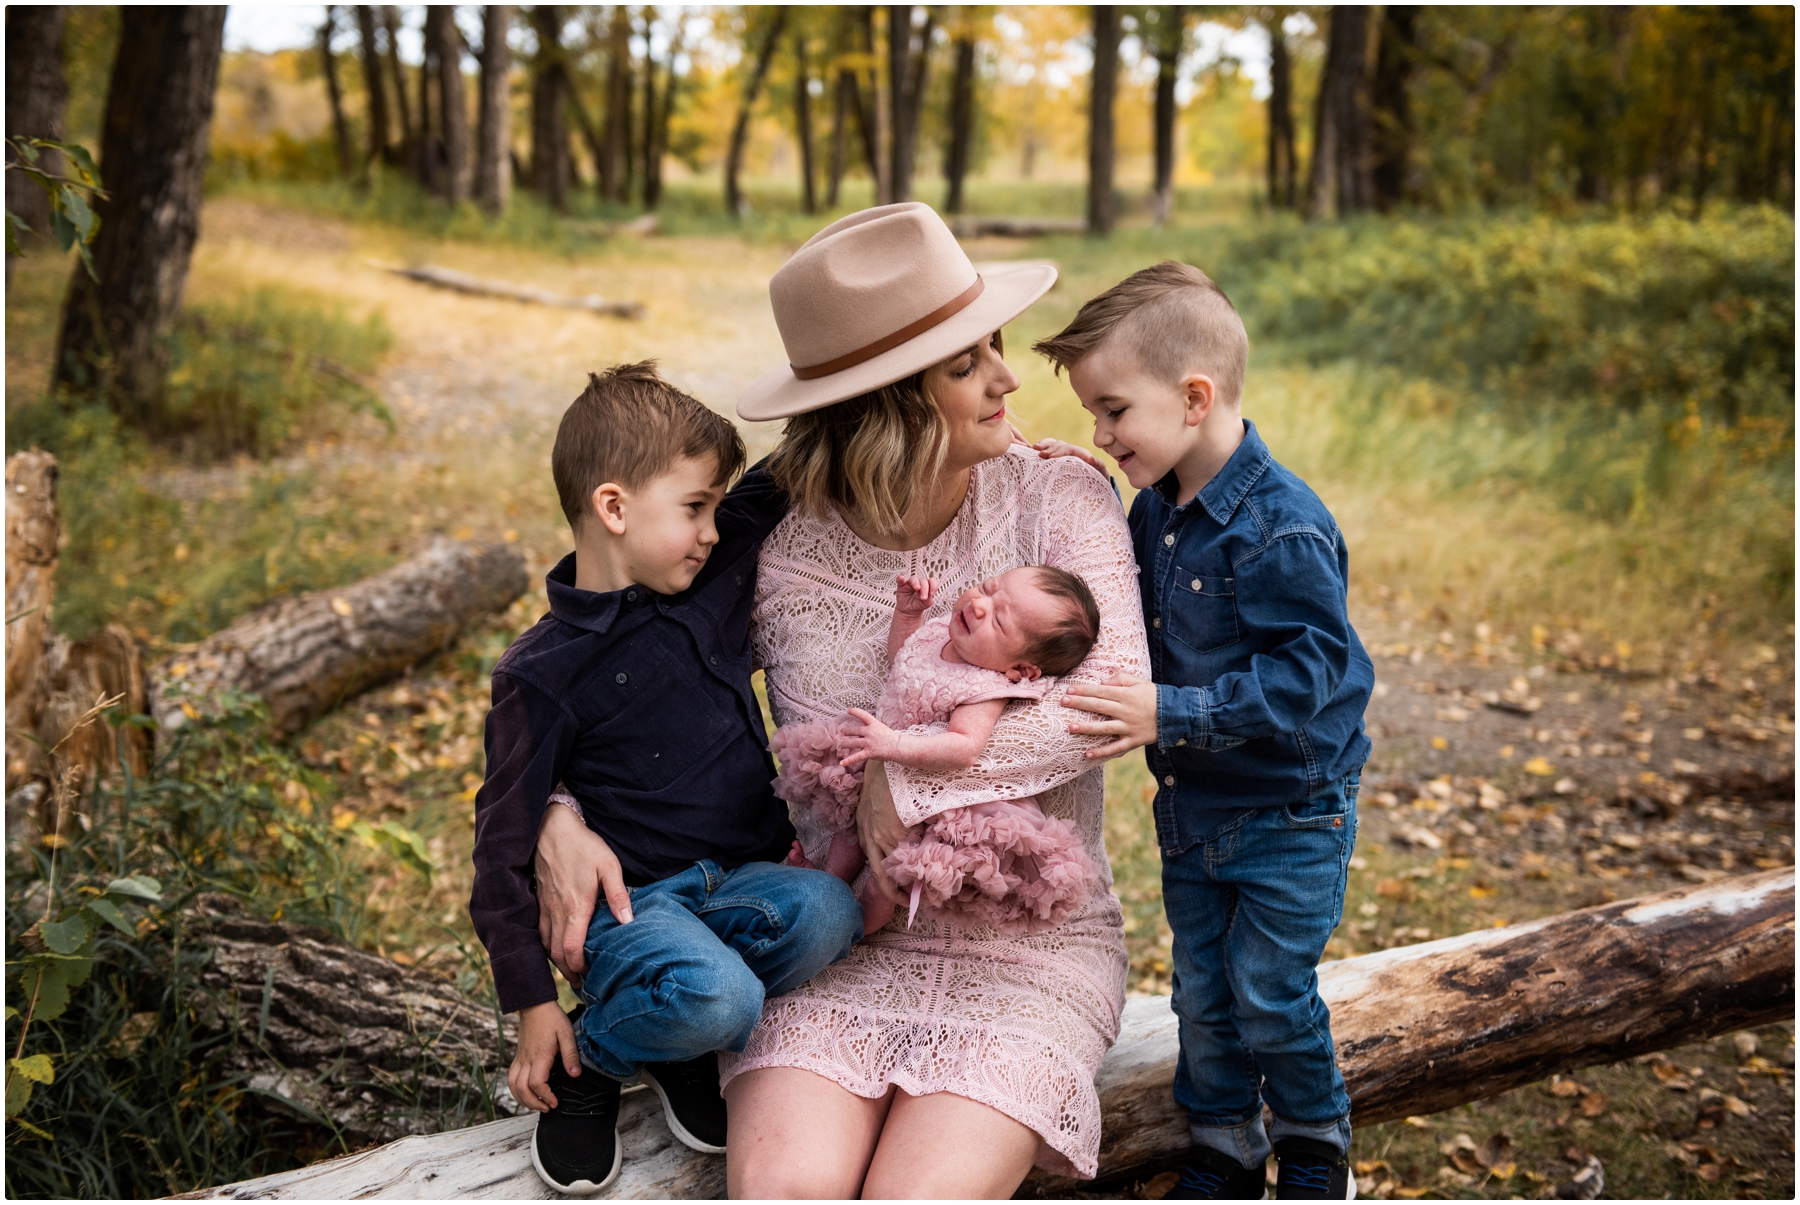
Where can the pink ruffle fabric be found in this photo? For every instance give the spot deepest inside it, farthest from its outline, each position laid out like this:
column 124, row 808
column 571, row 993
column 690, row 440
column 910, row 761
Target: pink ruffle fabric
column 810, row 776
column 1001, row 863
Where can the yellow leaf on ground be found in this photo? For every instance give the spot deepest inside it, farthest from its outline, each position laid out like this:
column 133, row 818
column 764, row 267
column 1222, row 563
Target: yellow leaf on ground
column 1539, row 767
column 1438, row 742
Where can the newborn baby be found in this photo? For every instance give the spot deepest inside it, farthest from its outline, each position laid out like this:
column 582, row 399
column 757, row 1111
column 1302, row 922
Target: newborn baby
column 1002, row 863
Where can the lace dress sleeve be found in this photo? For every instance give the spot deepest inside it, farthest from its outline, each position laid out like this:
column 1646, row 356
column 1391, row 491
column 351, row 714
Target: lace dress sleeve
column 1069, row 518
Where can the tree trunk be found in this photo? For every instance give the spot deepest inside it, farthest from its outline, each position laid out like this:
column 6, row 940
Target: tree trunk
column 615, row 170
column 153, row 140
column 648, row 148
column 374, row 85
column 390, row 19
column 453, row 107
column 906, row 95
column 340, row 129
column 37, row 96
column 660, row 141
column 493, row 170
column 549, row 136
column 809, row 200
column 429, row 148
column 306, row 655
column 1419, row 1029
column 1168, row 60
column 1282, row 167
column 1391, row 105
column 1340, row 168
column 873, row 118
column 740, row 130
column 1102, row 89
column 962, row 122
column 840, row 105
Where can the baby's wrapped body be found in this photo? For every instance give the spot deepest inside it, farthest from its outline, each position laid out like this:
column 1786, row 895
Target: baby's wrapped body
column 1002, row 862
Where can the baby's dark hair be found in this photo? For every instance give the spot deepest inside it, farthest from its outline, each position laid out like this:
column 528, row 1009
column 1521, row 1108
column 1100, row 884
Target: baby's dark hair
column 1065, row 645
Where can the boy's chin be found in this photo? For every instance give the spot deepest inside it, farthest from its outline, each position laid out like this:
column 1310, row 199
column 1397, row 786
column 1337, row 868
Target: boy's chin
column 1142, row 476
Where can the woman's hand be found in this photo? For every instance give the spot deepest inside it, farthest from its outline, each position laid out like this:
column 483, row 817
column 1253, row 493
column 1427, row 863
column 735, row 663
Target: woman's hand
column 575, row 867
column 1128, row 702
column 878, row 828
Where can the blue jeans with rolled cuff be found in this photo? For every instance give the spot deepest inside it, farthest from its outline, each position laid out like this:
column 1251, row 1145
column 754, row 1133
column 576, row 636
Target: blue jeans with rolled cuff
column 690, row 972
column 1251, row 903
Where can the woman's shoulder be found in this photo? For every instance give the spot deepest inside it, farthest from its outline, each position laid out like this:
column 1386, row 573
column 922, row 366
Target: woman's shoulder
column 1047, row 488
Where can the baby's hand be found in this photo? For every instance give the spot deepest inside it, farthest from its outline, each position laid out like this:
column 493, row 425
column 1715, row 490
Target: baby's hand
column 1050, row 449
column 913, row 595
column 874, row 740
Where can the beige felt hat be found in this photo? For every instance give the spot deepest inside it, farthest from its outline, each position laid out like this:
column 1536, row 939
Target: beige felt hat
column 875, row 297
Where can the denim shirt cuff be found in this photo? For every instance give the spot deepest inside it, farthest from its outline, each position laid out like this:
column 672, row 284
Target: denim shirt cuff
column 1176, row 722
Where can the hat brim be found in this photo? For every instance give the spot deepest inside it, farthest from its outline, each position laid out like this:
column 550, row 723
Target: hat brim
column 1009, row 290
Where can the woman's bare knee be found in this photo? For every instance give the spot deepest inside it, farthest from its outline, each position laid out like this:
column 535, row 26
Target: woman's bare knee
column 944, row 1146
column 797, row 1136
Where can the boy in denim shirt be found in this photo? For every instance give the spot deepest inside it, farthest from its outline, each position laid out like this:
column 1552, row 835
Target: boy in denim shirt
column 1252, row 727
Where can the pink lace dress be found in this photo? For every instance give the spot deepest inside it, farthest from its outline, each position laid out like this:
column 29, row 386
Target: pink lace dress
column 1017, row 1023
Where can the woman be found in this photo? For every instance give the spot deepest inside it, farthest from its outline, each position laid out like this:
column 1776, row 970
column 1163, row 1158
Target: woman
column 940, row 1061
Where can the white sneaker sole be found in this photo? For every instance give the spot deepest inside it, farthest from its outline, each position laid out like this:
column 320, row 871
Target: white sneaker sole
column 580, row 1188
column 675, row 1127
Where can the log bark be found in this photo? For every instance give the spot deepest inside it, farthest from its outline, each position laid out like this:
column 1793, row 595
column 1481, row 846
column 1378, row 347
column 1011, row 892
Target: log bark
column 306, row 655
column 493, row 170
column 1419, row 1029
column 1103, row 86
column 153, row 141
column 476, row 286
column 37, row 96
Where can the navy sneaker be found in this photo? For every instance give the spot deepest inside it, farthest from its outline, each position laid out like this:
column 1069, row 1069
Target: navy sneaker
column 1214, row 1176
column 1312, row 1171
column 575, row 1147
column 691, row 1101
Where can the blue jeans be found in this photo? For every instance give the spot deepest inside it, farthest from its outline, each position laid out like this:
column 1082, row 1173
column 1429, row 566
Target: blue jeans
column 688, row 975
column 1251, row 905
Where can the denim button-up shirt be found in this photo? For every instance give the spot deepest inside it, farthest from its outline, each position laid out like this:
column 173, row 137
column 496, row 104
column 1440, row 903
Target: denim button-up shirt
column 1261, row 681
column 641, row 703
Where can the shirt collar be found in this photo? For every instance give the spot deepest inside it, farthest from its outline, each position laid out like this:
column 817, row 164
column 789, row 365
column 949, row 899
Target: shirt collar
column 1221, row 496
column 585, row 608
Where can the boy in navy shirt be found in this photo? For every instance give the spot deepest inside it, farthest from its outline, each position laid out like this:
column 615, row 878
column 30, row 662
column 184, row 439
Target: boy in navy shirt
column 1252, row 727
column 634, row 695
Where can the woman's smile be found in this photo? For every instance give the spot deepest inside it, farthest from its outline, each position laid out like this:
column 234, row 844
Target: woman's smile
column 997, row 416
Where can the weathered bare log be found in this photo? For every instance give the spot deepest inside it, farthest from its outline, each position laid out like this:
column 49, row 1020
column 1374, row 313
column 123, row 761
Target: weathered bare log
column 970, row 226
column 306, row 655
column 478, row 286
column 32, row 536
column 1419, row 1029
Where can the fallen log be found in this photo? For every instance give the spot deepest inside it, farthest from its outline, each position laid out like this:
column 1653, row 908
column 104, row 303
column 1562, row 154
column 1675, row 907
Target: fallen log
column 478, row 286
column 306, row 655
column 1017, row 227
column 1419, row 1028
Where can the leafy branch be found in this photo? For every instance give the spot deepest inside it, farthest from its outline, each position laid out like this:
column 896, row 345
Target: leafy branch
column 73, row 221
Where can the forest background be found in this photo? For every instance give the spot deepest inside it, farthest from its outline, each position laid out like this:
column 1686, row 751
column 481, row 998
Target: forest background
column 1520, row 287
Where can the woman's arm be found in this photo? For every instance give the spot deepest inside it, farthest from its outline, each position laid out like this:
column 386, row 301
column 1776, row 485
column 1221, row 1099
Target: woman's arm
column 1082, row 529
column 575, row 869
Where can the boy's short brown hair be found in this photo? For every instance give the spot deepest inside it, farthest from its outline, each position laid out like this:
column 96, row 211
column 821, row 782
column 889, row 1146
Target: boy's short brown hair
column 628, row 427
column 1174, row 318
column 1066, row 645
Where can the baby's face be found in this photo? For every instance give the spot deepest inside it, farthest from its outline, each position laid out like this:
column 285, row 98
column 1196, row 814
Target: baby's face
column 997, row 621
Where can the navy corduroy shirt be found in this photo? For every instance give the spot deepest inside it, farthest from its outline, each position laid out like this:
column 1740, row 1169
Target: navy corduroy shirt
column 641, row 704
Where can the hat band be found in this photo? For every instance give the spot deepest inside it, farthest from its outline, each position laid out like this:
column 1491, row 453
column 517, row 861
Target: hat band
column 943, row 313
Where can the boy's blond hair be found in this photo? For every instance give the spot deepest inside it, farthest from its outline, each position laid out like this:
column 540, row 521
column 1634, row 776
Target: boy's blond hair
column 630, row 426
column 1173, row 319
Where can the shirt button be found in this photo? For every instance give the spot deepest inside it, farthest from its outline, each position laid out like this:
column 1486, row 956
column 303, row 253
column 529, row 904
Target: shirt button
column 620, row 679
column 738, row 580
column 631, row 596
column 1169, row 539
column 1196, row 585
column 1169, row 781
column 1157, row 622
column 712, row 660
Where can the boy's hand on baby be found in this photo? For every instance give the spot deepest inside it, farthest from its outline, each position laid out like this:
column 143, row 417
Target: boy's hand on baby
column 873, row 739
column 913, row 595
column 1128, row 702
column 1050, row 449
column 545, row 1035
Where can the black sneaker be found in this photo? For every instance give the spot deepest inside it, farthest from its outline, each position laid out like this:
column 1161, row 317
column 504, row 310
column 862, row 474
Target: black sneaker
column 575, row 1147
column 691, row 1101
column 1311, row 1171
column 1215, row 1176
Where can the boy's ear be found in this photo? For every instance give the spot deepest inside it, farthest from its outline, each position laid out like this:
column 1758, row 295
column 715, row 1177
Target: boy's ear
column 1024, row 671
column 1198, row 394
column 608, row 503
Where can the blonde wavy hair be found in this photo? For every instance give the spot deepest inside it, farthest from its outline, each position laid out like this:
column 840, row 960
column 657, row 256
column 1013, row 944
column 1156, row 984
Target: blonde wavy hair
column 869, row 458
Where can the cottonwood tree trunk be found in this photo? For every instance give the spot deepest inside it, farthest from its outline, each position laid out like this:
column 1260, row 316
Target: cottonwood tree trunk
column 453, row 107
column 659, row 140
column 740, row 130
column 1391, row 106
column 1168, row 60
column 549, row 136
column 429, row 148
column 906, row 95
column 374, row 85
column 1282, row 166
column 1340, row 168
column 1102, row 88
column 803, row 123
column 340, row 129
column 872, row 118
column 37, row 95
column 153, row 138
column 493, row 169
column 962, row 121
column 390, row 19
column 647, row 140
column 615, row 157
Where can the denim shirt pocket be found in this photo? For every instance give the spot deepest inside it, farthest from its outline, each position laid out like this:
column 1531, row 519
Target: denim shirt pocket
column 1202, row 610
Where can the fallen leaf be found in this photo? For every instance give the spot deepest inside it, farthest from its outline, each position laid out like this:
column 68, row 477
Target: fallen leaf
column 1158, row 1187
column 1483, row 893
column 1496, row 1153
column 1539, row 767
column 1745, row 1044
column 1566, row 1087
column 1438, row 742
column 1593, row 1104
column 341, row 607
column 1419, row 1123
column 1398, row 890
column 1737, row 1108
